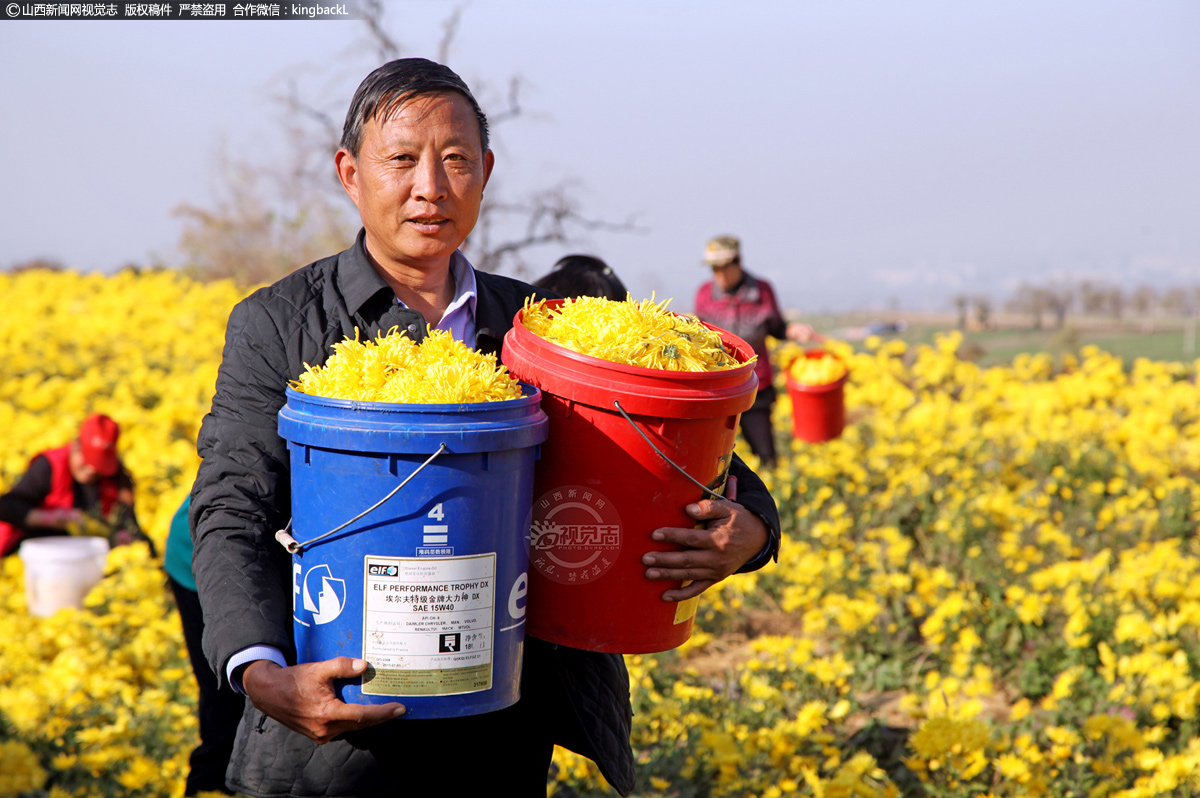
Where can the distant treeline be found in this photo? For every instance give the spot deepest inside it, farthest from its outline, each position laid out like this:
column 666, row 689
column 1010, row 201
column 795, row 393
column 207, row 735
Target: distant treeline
column 1054, row 301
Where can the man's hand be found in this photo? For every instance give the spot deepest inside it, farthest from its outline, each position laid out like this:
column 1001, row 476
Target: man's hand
column 56, row 518
column 302, row 697
column 732, row 538
column 802, row 333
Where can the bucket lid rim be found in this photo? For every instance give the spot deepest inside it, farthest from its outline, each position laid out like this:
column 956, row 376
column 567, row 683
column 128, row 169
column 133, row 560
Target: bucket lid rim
column 51, row 548
column 823, row 387
column 519, row 329
column 532, row 395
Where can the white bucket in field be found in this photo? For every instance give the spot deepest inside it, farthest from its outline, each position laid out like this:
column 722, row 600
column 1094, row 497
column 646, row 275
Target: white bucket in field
column 59, row 571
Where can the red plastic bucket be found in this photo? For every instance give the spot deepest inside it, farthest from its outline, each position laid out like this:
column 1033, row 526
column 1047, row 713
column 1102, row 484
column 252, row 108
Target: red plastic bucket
column 818, row 411
column 601, row 489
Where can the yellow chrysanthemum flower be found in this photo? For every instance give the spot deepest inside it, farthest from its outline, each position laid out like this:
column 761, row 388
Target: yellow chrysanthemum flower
column 637, row 333
column 394, row 368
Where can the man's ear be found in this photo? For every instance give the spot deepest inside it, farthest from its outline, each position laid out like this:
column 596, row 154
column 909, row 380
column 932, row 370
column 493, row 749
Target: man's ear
column 489, row 161
column 347, row 171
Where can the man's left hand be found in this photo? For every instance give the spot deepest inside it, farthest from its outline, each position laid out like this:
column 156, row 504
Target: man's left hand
column 802, row 333
column 732, row 537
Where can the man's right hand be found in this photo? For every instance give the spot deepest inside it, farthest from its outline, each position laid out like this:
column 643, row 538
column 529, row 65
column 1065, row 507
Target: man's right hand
column 302, row 697
column 54, row 518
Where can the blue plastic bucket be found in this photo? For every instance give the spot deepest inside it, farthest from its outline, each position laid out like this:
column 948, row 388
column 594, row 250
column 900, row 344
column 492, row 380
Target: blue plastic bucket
column 429, row 586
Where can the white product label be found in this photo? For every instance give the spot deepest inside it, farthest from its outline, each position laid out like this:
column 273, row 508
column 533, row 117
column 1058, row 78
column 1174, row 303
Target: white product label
column 428, row 624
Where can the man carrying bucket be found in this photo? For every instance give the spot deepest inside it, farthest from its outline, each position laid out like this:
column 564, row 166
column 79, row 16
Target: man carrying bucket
column 415, row 160
column 745, row 305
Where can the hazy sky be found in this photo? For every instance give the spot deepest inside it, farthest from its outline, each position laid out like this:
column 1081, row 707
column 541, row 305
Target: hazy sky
column 864, row 151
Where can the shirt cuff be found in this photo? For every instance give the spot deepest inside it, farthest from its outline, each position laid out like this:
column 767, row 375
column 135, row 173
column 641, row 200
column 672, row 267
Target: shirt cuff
column 769, row 552
column 245, row 657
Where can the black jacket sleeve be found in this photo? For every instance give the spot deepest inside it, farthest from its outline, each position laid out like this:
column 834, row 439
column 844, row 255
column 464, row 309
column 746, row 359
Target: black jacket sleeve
column 242, row 495
column 752, row 494
column 28, row 494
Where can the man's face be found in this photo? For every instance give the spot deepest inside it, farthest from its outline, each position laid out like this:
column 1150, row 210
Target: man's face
column 727, row 275
column 418, row 181
column 83, row 471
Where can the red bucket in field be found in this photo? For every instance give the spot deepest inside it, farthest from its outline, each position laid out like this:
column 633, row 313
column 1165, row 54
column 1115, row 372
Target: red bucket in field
column 818, row 411
column 601, row 489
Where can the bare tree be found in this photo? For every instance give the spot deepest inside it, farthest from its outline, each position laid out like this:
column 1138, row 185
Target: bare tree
column 1038, row 300
column 983, row 311
column 252, row 239
column 34, row 264
column 387, row 48
column 1143, row 300
column 1093, row 298
column 264, row 213
column 1116, row 302
column 962, row 304
column 1058, row 301
column 1177, row 301
column 547, row 217
column 1032, row 300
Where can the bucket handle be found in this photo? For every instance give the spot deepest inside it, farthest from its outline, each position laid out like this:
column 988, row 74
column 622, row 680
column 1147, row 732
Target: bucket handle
column 672, row 463
column 296, row 547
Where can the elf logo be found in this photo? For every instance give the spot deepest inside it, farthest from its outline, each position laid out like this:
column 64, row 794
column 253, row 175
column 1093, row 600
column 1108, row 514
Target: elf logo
column 383, row 570
column 322, row 596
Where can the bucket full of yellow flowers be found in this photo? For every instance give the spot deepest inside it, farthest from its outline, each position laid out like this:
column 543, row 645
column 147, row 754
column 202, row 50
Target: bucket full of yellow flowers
column 412, row 478
column 643, row 407
column 816, row 384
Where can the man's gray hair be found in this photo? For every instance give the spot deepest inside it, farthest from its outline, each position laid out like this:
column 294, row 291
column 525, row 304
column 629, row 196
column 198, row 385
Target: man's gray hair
column 386, row 89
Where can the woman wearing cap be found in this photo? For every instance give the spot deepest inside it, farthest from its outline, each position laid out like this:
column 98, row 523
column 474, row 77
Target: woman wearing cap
column 745, row 305
column 63, row 485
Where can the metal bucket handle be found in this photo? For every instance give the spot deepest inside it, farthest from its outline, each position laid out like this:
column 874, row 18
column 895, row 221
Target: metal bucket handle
column 295, row 547
column 672, row 463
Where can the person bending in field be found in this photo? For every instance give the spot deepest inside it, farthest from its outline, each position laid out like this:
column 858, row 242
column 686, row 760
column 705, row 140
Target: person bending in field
column 69, row 486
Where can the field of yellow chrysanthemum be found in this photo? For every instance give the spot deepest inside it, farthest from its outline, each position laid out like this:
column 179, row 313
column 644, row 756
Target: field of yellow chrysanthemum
column 989, row 585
